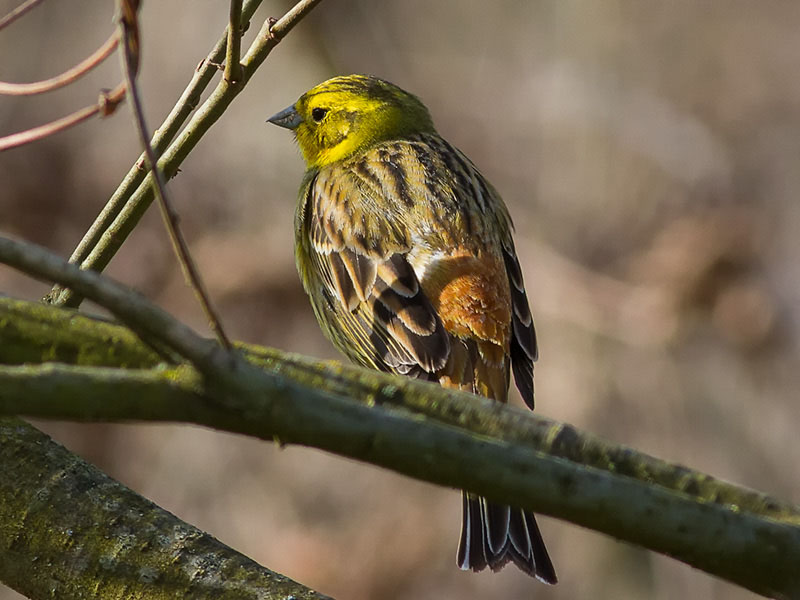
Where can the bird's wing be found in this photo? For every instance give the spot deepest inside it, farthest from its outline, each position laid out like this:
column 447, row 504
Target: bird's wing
column 368, row 297
column 523, row 348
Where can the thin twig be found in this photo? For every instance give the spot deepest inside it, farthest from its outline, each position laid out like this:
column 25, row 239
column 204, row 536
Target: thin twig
column 105, row 106
column 67, row 77
column 165, row 133
column 286, row 23
column 130, row 35
column 106, row 241
column 233, row 66
column 18, row 12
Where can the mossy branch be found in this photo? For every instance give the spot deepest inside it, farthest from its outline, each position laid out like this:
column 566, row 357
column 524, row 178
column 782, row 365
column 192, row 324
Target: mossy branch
column 414, row 428
column 68, row 531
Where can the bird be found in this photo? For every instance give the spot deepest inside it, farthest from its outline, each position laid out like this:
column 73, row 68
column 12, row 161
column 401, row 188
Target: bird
column 406, row 253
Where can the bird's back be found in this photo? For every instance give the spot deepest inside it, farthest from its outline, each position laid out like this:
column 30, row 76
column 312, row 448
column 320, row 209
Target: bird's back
column 419, row 202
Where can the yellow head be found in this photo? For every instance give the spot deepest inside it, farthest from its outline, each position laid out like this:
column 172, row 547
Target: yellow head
column 347, row 114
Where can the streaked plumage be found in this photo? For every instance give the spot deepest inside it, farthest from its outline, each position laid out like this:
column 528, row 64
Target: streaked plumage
column 406, row 253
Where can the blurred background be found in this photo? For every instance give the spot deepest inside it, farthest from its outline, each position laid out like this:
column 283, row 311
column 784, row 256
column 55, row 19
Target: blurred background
column 649, row 155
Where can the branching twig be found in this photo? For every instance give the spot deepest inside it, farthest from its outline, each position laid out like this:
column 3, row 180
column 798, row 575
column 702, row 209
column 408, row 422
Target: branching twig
column 105, row 241
column 233, row 66
column 18, row 12
column 105, row 106
column 67, row 77
column 163, row 136
column 278, row 29
column 128, row 32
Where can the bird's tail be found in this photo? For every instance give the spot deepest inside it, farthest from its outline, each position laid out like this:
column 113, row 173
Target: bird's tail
column 493, row 535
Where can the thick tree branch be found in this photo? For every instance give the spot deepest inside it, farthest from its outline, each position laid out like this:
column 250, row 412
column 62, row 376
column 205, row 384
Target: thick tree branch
column 146, row 319
column 68, row 531
column 440, row 436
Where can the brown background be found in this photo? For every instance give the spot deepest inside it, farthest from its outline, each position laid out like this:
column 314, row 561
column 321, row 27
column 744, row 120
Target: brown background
column 649, row 154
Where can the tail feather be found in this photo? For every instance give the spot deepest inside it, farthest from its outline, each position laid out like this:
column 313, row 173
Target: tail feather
column 544, row 567
column 493, row 535
column 472, row 551
column 497, row 519
column 520, row 538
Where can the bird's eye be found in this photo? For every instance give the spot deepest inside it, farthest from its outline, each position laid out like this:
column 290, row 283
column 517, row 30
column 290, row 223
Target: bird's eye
column 318, row 114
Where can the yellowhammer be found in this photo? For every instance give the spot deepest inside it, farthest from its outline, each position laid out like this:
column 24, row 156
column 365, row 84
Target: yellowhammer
column 406, row 253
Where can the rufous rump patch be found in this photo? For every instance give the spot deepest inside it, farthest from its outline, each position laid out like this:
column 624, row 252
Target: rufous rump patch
column 471, row 296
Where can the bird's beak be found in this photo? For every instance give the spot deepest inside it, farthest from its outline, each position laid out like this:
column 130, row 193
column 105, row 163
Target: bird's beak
column 288, row 118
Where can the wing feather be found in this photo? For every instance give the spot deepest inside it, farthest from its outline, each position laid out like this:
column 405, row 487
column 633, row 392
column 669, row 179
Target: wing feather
column 524, row 350
column 380, row 315
column 362, row 271
column 343, row 283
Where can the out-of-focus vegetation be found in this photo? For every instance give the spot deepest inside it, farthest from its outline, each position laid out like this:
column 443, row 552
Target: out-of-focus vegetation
column 649, row 155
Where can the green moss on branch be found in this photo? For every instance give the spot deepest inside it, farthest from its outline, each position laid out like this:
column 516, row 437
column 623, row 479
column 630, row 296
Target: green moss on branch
column 458, row 440
column 68, row 531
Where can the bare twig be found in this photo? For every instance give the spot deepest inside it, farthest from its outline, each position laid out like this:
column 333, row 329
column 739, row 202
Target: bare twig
column 129, row 33
column 163, row 136
column 67, row 77
column 233, row 66
column 286, row 23
column 105, row 106
column 18, row 12
column 109, row 241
